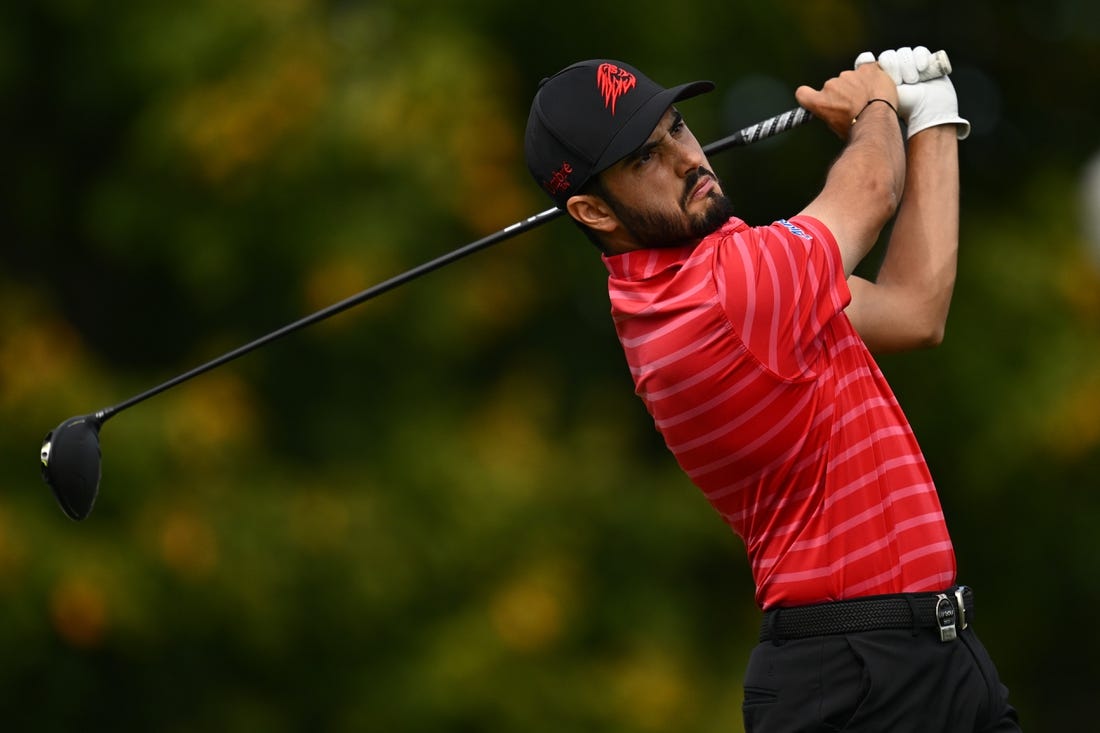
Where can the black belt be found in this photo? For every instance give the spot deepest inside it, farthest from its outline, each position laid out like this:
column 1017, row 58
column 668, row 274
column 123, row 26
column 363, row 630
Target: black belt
column 949, row 611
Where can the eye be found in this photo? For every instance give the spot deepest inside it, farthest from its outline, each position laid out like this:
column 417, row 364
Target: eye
column 677, row 127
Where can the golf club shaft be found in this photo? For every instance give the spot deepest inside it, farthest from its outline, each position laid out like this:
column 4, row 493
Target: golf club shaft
column 751, row 134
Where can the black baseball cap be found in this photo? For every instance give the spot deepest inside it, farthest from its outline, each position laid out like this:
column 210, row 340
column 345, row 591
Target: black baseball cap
column 591, row 115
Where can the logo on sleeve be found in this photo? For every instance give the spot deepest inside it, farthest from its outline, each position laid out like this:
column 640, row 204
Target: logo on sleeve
column 794, row 229
column 613, row 83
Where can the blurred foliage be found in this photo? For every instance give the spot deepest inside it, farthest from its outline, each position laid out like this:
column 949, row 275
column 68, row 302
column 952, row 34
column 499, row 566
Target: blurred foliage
column 446, row 510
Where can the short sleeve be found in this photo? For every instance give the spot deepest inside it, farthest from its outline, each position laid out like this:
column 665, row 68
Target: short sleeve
column 781, row 286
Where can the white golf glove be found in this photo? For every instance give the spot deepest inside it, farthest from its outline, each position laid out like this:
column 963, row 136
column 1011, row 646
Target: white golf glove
column 923, row 102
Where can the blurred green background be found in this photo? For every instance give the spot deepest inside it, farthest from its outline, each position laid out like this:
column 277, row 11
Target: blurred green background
column 446, row 510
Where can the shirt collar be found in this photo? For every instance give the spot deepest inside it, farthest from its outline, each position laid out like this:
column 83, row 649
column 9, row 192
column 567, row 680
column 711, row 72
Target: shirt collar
column 642, row 263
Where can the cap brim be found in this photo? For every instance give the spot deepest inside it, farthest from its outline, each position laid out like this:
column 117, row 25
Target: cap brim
column 637, row 130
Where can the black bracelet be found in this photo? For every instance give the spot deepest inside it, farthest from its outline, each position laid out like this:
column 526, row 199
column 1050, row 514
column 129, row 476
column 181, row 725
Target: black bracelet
column 872, row 101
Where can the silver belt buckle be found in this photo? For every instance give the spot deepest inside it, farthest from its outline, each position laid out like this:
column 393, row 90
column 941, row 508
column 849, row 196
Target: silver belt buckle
column 945, row 617
column 962, row 606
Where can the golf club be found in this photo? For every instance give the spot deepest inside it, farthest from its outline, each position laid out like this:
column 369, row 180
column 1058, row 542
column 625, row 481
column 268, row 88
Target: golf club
column 71, row 455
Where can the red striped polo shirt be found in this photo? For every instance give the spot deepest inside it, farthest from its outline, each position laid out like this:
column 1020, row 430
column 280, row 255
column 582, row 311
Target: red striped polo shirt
column 773, row 406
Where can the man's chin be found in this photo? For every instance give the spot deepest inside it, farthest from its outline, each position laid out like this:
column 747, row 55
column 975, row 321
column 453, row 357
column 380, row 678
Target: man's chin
column 677, row 230
column 718, row 211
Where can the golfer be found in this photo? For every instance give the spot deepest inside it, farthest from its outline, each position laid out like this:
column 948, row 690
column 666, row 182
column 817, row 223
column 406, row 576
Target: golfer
column 751, row 348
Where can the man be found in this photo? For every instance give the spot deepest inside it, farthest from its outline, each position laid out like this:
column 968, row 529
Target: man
column 750, row 348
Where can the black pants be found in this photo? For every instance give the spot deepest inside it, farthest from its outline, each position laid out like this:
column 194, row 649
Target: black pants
column 891, row 681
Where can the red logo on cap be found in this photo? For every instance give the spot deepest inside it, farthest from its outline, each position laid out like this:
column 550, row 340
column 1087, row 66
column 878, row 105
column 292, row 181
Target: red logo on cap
column 613, row 83
column 559, row 181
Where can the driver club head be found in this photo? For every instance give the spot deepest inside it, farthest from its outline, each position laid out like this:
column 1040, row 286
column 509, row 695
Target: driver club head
column 71, row 464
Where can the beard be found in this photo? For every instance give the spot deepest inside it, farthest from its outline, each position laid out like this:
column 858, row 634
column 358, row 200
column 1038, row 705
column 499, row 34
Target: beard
column 653, row 229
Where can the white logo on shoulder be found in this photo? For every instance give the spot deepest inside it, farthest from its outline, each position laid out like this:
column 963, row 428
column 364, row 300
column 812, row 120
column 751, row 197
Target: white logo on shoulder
column 794, row 229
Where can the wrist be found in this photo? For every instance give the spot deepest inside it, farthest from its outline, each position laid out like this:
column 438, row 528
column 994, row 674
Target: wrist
column 871, row 101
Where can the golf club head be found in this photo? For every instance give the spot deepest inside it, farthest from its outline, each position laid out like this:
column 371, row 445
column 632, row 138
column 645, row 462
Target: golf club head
column 71, row 464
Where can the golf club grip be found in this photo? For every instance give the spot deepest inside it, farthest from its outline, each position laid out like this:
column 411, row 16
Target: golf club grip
column 940, row 66
column 761, row 130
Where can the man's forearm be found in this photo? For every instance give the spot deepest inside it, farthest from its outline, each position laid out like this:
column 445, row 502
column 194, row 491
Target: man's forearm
column 906, row 306
column 864, row 185
column 921, row 257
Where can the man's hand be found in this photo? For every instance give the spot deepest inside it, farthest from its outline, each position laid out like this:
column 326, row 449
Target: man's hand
column 843, row 97
column 922, row 104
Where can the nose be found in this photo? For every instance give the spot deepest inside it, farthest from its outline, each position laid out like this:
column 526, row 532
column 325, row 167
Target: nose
column 690, row 156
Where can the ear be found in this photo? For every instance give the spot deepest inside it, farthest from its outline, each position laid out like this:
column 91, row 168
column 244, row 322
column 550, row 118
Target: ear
column 593, row 212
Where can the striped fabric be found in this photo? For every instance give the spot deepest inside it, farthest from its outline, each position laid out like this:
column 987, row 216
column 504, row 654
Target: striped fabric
column 773, row 406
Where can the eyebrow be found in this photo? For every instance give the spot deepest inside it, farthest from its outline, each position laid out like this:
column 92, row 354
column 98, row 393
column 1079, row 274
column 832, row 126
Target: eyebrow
column 649, row 147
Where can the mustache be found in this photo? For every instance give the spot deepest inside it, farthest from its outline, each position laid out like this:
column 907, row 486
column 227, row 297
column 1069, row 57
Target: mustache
column 692, row 181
